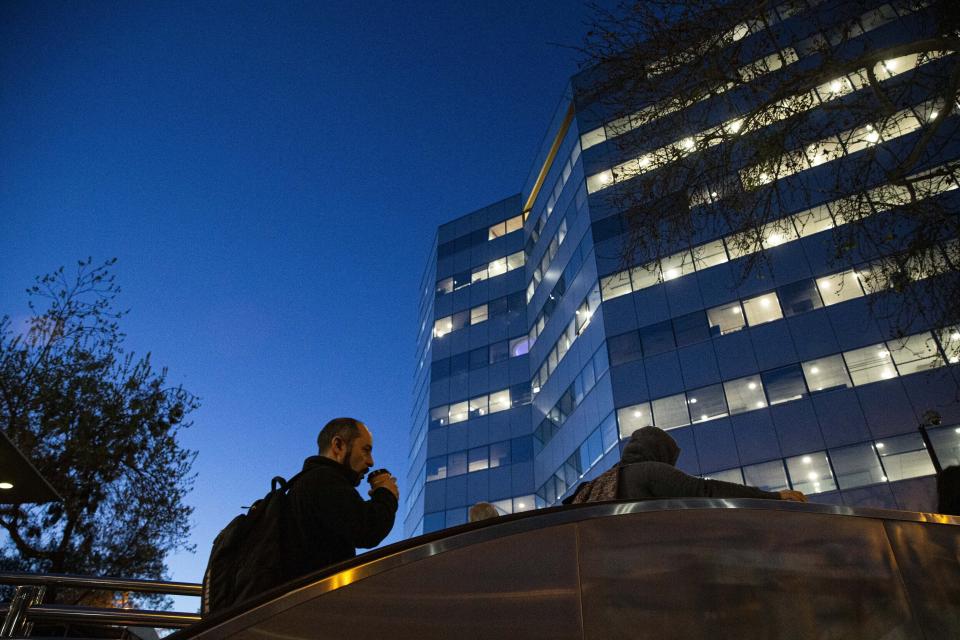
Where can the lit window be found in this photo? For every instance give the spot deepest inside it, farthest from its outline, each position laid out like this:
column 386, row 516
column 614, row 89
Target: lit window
column 442, row 327
column 734, row 475
column 826, row 373
column 706, row 403
column 477, row 459
column 839, row 287
column 725, row 319
column 915, row 353
column 777, row 233
column 519, row 346
column 709, row 254
column 811, row 473
column 478, row 274
column 904, row 457
column 592, row 138
column 478, row 314
column 670, row 412
column 616, row 285
column 514, row 224
column 599, row 181
column 813, row 221
column 478, row 406
column 436, row 468
column 497, row 267
column 439, row 416
column 459, row 412
column 496, row 230
column 515, row 260
column 870, row 364
column 644, row 276
column 765, row 308
column 523, row 503
column 634, row 417
column 445, row 286
column 744, row 394
column 679, row 264
column 950, row 341
column 500, row 401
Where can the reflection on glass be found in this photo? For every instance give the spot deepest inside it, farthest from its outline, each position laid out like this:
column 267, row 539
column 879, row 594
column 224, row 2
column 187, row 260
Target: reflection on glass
column 869, row 364
column 765, row 308
column 744, row 394
column 725, row 319
column 811, row 473
column 826, row 373
column 768, row 476
column 857, row 466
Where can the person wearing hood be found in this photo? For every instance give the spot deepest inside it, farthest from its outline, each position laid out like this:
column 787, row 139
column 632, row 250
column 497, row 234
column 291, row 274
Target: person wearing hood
column 646, row 470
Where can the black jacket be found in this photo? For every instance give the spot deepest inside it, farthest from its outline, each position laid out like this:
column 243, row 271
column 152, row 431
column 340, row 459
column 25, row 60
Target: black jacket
column 646, row 470
column 328, row 520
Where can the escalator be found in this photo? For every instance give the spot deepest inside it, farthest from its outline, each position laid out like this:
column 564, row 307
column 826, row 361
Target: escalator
column 662, row 569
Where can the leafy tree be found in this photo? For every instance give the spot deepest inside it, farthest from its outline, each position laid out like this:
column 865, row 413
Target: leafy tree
column 721, row 117
column 101, row 425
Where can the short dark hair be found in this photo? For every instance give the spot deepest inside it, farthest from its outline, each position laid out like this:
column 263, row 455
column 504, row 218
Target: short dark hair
column 346, row 428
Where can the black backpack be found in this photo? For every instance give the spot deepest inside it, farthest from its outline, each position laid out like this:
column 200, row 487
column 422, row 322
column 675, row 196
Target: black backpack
column 247, row 556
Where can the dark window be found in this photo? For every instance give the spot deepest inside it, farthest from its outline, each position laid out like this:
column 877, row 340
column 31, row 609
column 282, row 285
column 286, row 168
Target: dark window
column 440, row 369
column 462, row 243
column 459, row 363
column 784, row 384
column 657, row 338
column 461, row 279
column 497, row 307
column 478, row 358
column 691, row 328
column 520, row 394
column 521, row 449
column 624, row 348
column 500, row 454
column 606, row 228
column 799, row 297
column 499, row 351
column 517, row 302
column 459, row 320
column 565, row 404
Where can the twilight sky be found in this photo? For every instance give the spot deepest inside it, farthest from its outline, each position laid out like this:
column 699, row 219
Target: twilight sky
column 270, row 176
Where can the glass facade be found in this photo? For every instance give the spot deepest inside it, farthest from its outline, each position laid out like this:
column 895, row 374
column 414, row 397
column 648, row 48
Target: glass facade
column 539, row 351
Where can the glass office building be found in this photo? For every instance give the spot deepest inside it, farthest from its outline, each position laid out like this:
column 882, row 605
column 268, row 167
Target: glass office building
column 539, row 352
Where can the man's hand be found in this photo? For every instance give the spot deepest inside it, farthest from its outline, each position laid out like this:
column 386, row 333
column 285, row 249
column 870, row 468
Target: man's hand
column 793, row 496
column 385, row 480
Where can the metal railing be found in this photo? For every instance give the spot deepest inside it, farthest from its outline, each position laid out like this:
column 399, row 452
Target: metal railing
column 26, row 607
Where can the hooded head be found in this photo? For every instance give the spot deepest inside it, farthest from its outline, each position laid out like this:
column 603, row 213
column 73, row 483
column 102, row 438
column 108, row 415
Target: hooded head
column 650, row 444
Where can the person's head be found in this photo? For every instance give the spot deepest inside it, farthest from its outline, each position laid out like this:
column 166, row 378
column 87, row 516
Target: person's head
column 650, row 444
column 483, row 511
column 349, row 442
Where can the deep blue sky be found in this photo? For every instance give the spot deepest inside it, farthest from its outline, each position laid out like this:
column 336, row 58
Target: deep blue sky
column 270, row 176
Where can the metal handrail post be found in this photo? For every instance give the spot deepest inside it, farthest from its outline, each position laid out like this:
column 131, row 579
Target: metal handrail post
column 15, row 623
column 931, row 418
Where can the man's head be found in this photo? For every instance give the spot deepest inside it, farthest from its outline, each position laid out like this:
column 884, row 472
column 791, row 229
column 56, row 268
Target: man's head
column 349, row 442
